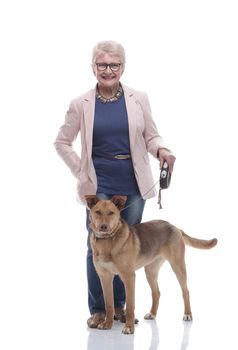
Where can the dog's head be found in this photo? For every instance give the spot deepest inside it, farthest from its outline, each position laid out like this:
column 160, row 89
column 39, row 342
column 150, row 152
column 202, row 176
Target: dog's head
column 105, row 214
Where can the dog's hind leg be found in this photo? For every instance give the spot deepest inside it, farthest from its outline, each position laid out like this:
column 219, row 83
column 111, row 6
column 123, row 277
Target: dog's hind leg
column 178, row 265
column 152, row 271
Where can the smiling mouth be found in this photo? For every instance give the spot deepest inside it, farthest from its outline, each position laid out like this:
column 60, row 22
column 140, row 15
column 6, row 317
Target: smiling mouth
column 108, row 77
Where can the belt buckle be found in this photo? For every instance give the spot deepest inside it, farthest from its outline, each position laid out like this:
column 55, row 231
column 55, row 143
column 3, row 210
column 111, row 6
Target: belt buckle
column 122, row 156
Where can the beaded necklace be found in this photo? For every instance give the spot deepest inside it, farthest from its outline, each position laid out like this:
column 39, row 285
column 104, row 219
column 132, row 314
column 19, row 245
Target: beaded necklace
column 112, row 99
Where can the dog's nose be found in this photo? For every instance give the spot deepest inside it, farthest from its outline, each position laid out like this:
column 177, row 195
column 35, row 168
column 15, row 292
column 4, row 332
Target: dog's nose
column 103, row 227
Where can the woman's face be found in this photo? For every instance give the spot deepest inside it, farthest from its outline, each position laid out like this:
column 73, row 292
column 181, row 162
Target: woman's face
column 108, row 76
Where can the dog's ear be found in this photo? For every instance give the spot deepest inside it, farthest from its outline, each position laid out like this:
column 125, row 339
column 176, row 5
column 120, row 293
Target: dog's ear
column 119, row 201
column 91, row 200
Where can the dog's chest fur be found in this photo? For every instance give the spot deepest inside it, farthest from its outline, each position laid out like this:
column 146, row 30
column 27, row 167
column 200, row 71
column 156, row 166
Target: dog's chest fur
column 112, row 253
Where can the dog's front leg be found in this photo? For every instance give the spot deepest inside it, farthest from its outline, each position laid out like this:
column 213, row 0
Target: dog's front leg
column 129, row 282
column 106, row 279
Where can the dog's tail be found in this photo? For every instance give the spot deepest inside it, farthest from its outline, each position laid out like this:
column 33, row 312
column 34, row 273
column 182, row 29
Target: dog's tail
column 199, row 243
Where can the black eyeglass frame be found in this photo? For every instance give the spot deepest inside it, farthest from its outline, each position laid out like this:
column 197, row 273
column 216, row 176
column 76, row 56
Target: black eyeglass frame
column 110, row 65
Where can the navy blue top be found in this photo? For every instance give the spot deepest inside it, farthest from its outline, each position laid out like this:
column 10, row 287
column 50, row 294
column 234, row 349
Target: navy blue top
column 111, row 137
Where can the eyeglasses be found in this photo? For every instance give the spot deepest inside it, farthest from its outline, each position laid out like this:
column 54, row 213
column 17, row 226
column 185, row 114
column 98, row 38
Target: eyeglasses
column 103, row 66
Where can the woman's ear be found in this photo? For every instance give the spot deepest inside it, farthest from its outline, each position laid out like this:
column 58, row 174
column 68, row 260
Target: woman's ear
column 93, row 69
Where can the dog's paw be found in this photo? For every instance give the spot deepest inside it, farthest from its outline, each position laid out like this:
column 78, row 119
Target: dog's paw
column 187, row 317
column 149, row 316
column 96, row 319
column 105, row 325
column 120, row 315
column 128, row 330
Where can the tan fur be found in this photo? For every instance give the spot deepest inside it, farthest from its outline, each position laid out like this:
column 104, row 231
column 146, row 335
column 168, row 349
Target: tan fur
column 122, row 249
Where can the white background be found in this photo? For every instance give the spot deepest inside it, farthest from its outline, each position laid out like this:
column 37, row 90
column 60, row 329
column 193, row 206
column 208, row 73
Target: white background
column 184, row 55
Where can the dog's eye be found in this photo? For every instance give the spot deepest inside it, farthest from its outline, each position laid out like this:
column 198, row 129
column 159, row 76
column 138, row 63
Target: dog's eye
column 111, row 213
column 98, row 212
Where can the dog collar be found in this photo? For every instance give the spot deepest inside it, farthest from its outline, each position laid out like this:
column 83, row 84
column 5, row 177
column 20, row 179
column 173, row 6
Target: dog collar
column 105, row 236
column 111, row 235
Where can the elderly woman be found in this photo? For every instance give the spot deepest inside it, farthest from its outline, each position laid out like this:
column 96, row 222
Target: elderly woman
column 117, row 133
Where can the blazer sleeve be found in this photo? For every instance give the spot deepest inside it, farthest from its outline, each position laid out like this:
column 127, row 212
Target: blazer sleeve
column 153, row 140
column 67, row 135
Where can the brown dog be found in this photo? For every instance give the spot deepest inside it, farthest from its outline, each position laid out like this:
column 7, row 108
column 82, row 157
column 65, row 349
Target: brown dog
column 121, row 249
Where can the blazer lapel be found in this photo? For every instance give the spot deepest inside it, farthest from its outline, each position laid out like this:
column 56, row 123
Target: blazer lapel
column 89, row 110
column 131, row 107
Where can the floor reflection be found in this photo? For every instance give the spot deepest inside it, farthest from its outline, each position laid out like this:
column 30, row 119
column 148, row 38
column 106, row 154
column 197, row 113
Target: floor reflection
column 186, row 332
column 114, row 339
column 154, row 335
column 109, row 339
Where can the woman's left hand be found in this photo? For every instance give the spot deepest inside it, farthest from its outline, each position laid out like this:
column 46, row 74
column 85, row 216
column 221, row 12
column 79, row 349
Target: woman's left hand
column 165, row 155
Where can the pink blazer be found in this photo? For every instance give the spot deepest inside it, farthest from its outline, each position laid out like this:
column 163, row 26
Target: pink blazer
column 143, row 136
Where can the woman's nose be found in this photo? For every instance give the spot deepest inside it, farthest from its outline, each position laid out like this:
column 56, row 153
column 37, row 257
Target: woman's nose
column 108, row 69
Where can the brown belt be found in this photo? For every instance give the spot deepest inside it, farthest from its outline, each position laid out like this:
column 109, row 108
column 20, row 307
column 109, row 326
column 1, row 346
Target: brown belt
column 122, row 156
column 116, row 156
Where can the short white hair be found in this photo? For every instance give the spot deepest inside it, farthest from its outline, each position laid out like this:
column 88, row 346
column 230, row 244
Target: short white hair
column 110, row 47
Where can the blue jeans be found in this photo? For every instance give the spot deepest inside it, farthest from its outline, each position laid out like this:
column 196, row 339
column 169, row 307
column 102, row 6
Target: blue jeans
column 132, row 215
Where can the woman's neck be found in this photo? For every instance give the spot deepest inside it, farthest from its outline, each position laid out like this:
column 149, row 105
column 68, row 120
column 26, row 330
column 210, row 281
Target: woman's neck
column 108, row 92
